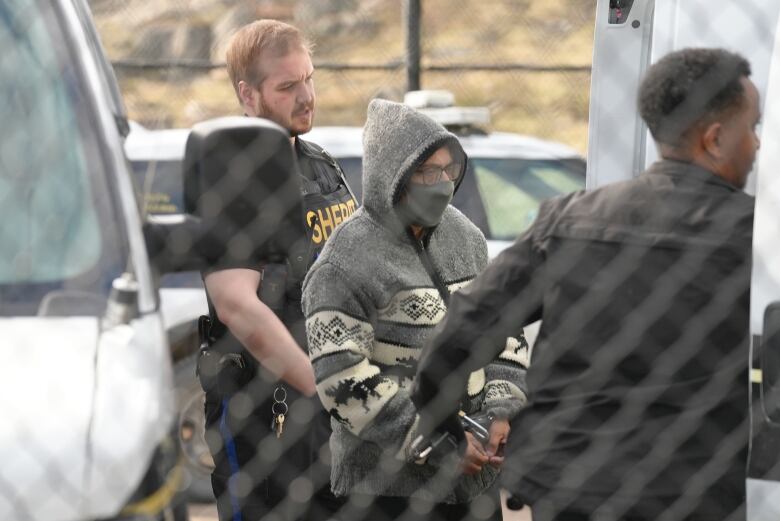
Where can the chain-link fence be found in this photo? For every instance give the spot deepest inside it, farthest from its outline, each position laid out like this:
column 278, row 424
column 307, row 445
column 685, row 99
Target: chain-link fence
column 360, row 55
column 596, row 369
column 539, row 54
column 633, row 405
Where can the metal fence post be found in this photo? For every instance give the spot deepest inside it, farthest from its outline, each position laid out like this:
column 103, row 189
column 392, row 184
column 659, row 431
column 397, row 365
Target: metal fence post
column 412, row 15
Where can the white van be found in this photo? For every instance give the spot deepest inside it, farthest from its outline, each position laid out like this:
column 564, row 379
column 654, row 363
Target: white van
column 632, row 34
column 85, row 380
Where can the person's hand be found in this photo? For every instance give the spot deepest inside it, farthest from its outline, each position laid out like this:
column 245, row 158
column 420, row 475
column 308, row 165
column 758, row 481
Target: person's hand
column 474, row 458
column 499, row 431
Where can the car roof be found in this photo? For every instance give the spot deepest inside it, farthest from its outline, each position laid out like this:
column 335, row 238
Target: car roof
column 347, row 142
column 158, row 145
column 169, row 144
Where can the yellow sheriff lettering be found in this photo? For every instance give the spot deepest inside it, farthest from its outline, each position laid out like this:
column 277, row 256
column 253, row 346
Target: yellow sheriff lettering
column 336, row 210
column 323, row 221
column 344, row 210
column 311, row 220
column 326, row 222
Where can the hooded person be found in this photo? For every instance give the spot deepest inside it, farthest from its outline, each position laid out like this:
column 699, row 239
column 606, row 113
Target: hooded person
column 378, row 289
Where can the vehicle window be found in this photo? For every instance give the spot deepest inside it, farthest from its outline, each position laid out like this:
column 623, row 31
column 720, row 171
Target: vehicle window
column 511, row 190
column 59, row 236
column 501, row 195
column 353, row 171
column 161, row 184
column 467, row 199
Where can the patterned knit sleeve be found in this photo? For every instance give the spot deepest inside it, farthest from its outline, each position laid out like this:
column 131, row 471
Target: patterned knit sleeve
column 354, row 390
column 505, row 387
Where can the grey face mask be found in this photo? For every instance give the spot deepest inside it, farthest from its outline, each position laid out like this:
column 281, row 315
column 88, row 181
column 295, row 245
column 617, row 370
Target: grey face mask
column 424, row 205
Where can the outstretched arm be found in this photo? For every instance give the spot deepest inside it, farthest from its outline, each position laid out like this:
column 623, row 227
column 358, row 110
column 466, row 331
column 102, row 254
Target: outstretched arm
column 234, row 295
column 496, row 305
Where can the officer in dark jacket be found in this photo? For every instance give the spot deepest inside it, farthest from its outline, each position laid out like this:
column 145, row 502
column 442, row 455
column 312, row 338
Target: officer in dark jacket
column 638, row 404
column 267, row 431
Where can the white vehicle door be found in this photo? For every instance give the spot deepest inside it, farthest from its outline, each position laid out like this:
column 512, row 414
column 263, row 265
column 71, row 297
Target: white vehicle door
column 621, row 54
column 630, row 35
column 763, row 485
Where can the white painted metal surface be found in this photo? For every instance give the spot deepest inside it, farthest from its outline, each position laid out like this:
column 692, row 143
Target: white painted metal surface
column 763, row 500
column 619, row 145
column 616, row 134
column 82, row 414
column 765, row 287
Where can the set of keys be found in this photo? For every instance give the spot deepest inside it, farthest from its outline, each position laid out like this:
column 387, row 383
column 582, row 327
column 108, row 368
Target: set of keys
column 279, row 425
column 279, row 410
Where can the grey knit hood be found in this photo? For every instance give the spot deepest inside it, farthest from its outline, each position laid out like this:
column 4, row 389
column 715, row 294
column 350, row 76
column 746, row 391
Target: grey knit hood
column 396, row 139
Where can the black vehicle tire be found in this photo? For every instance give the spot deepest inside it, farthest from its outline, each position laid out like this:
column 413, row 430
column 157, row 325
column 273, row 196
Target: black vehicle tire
column 190, row 428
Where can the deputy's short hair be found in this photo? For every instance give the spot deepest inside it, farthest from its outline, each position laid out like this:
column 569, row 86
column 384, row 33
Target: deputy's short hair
column 689, row 87
column 254, row 41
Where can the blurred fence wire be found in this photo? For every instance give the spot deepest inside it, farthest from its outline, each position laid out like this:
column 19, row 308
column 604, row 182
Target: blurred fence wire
column 529, row 62
column 609, row 413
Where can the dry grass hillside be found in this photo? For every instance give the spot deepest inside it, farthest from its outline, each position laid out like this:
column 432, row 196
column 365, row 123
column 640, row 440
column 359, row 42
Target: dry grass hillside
column 454, row 32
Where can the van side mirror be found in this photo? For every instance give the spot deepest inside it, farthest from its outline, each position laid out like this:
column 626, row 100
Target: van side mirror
column 770, row 362
column 242, row 196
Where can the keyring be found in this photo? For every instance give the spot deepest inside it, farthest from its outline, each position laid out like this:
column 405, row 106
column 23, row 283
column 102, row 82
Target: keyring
column 284, row 398
column 277, row 413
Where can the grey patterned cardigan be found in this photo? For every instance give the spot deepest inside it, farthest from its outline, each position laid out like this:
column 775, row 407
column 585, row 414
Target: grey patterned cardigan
column 370, row 304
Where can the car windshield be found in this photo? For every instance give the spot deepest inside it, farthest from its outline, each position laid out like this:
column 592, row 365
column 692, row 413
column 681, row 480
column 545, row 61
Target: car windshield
column 501, row 195
column 511, row 190
column 60, row 241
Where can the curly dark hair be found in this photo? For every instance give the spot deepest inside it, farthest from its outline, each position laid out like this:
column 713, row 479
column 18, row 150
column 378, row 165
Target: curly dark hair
column 689, row 87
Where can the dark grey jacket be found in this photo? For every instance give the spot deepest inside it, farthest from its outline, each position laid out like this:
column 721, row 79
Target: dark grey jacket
column 638, row 382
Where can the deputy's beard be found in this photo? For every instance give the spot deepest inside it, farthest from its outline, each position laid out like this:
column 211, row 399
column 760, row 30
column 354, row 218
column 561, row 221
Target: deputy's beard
column 264, row 112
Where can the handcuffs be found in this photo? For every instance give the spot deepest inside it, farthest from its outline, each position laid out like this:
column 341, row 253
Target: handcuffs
column 434, row 447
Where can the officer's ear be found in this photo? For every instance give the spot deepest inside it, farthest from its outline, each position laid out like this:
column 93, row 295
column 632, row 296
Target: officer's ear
column 711, row 139
column 248, row 96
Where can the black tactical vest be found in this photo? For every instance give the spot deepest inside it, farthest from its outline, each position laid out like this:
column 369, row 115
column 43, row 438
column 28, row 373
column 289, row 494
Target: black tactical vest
column 327, row 201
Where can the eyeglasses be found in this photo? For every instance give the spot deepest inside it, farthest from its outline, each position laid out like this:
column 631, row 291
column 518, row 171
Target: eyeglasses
column 431, row 174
